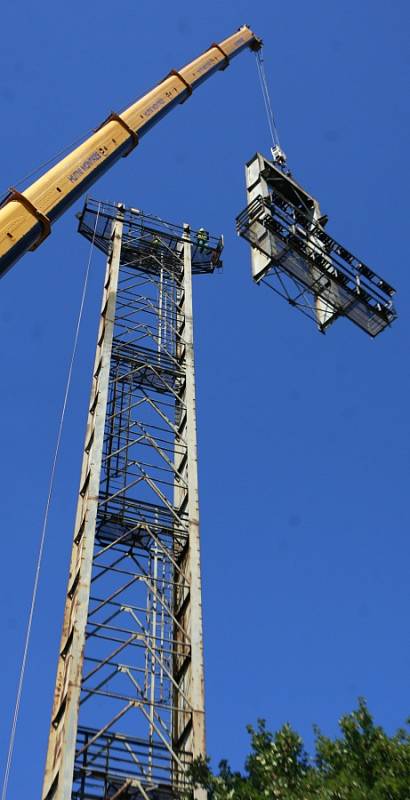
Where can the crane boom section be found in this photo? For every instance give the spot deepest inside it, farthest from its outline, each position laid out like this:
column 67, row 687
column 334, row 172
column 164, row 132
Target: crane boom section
column 25, row 219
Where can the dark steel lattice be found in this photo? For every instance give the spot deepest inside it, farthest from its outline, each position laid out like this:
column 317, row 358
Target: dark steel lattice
column 301, row 261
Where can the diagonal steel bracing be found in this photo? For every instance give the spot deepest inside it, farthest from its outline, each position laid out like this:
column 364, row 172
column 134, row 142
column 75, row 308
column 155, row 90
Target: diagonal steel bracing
column 128, row 715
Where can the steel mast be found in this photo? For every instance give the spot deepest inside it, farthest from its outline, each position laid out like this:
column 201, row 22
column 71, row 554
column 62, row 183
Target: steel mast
column 128, row 713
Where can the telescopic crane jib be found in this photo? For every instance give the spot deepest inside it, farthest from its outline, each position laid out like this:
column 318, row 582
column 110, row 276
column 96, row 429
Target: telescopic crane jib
column 26, row 218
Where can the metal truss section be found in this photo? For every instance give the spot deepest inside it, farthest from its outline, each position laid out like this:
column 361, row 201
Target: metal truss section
column 128, row 714
column 95, row 223
column 296, row 257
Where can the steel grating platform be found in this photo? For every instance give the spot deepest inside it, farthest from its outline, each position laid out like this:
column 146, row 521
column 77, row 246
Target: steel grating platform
column 140, row 230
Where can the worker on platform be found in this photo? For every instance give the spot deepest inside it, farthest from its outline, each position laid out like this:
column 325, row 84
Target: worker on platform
column 202, row 238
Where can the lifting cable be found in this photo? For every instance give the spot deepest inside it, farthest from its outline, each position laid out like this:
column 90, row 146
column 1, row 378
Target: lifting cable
column 53, row 159
column 266, row 99
column 45, row 523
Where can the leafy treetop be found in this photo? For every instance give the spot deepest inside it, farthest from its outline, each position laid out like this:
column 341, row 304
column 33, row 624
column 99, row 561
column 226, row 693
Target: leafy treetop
column 363, row 763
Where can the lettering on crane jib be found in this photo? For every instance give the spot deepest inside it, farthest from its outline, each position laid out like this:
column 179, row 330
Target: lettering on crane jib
column 86, row 165
column 152, row 108
column 207, row 65
column 97, row 155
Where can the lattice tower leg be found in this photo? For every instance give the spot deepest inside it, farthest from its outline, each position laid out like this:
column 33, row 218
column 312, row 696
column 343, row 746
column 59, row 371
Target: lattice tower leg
column 63, row 730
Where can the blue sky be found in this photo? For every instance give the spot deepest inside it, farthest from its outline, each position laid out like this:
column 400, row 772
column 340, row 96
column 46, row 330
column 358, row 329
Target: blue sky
column 303, row 438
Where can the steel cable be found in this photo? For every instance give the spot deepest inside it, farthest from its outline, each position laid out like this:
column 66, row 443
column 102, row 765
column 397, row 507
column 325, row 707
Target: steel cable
column 266, row 99
column 64, row 151
column 45, row 523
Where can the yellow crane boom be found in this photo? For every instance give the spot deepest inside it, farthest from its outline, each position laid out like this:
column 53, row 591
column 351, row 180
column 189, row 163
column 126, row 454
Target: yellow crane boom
column 26, row 218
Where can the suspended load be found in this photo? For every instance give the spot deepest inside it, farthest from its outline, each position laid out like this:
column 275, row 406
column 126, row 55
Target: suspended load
column 294, row 255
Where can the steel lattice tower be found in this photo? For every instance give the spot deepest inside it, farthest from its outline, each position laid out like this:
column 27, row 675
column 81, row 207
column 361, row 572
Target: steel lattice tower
column 128, row 713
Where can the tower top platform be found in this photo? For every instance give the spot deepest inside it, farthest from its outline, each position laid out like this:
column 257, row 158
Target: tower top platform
column 142, row 231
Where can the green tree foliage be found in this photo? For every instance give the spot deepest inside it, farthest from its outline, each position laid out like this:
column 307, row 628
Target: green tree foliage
column 363, row 763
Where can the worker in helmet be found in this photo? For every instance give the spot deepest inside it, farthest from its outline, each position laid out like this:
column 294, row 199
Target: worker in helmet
column 202, row 238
